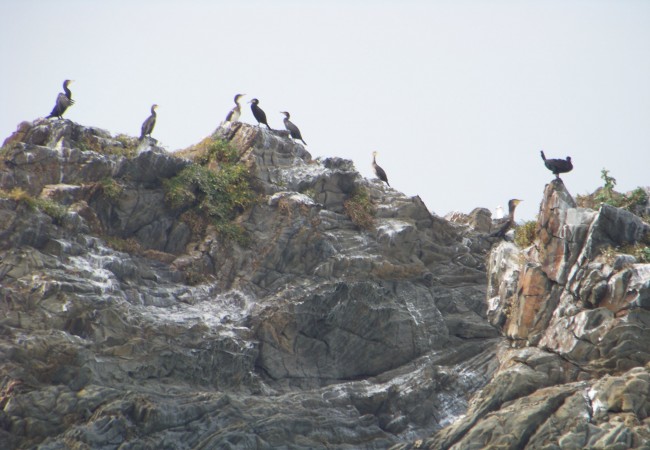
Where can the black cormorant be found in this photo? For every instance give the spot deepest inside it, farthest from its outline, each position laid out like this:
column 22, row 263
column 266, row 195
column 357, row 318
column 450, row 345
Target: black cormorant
column 381, row 173
column 557, row 166
column 63, row 101
column 235, row 113
column 293, row 130
column 502, row 226
column 259, row 115
column 147, row 125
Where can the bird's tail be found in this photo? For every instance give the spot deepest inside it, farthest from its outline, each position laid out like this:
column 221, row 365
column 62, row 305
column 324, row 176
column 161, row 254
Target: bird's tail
column 543, row 156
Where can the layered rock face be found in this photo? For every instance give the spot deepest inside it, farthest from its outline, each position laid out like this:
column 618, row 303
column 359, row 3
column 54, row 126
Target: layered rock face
column 576, row 371
column 314, row 334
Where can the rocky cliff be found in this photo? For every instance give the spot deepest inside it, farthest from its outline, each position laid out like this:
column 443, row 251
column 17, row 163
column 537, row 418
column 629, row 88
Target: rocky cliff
column 129, row 321
column 132, row 321
column 574, row 372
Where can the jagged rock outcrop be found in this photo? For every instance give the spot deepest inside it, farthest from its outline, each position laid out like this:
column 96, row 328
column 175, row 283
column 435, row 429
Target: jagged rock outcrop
column 576, row 372
column 122, row 325
column 316, row 333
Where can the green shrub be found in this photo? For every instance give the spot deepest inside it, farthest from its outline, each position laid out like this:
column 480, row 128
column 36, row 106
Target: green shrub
column 219, row 193
column 220, row 152
column 53, row 209
column 525, row 234
column 111, row 188
column 606, row 194
column 637, row 197
column 360, row 209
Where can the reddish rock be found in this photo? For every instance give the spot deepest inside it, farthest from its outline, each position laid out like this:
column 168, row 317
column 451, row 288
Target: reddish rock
column 536, row 299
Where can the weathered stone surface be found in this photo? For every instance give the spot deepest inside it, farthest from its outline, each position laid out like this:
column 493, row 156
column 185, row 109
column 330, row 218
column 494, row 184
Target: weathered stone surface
column 321, row 338
column 314, row 334
column 610, row 413
column 581, row 378
column 479, row 219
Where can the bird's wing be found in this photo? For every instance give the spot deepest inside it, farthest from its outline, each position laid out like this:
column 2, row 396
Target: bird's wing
column 147, row 125
column 295, row 132
column 62, row 103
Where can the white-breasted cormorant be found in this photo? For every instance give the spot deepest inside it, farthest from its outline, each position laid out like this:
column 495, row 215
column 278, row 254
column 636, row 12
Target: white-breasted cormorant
column 259, row 115
column 147, row 125
column 291, row 127
column 502, row 226
column 235, row 113
column 557, row 166
column 381, row 173
column 63, row 101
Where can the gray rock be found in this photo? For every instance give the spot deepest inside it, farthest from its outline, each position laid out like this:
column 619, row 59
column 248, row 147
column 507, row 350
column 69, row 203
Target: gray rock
column 313, row 334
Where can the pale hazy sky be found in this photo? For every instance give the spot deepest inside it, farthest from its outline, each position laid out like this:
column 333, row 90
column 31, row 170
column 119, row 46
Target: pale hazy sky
column 457, row 96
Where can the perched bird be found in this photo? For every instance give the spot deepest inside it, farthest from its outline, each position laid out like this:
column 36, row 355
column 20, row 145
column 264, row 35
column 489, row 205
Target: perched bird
column 63, row 101
column 381, row 173
column 147, row 125
column 557, row 166
column 502, row 226
column 235, row 113
column 259, row 115
column 293, row 130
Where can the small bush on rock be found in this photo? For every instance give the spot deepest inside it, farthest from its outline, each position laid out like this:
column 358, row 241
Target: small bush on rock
column 607, row 194
column 219, row 193
column 53, row 209
column 525, row 234
column 360, row 209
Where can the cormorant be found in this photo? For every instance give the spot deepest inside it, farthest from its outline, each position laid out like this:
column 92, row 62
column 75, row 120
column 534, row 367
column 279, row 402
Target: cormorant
column 381, row 173
column 63, row 101
column 259, row 115
column 293, row 130
column 147, row 125
column 504, row 225
column 557, row 166
column 235, row 113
